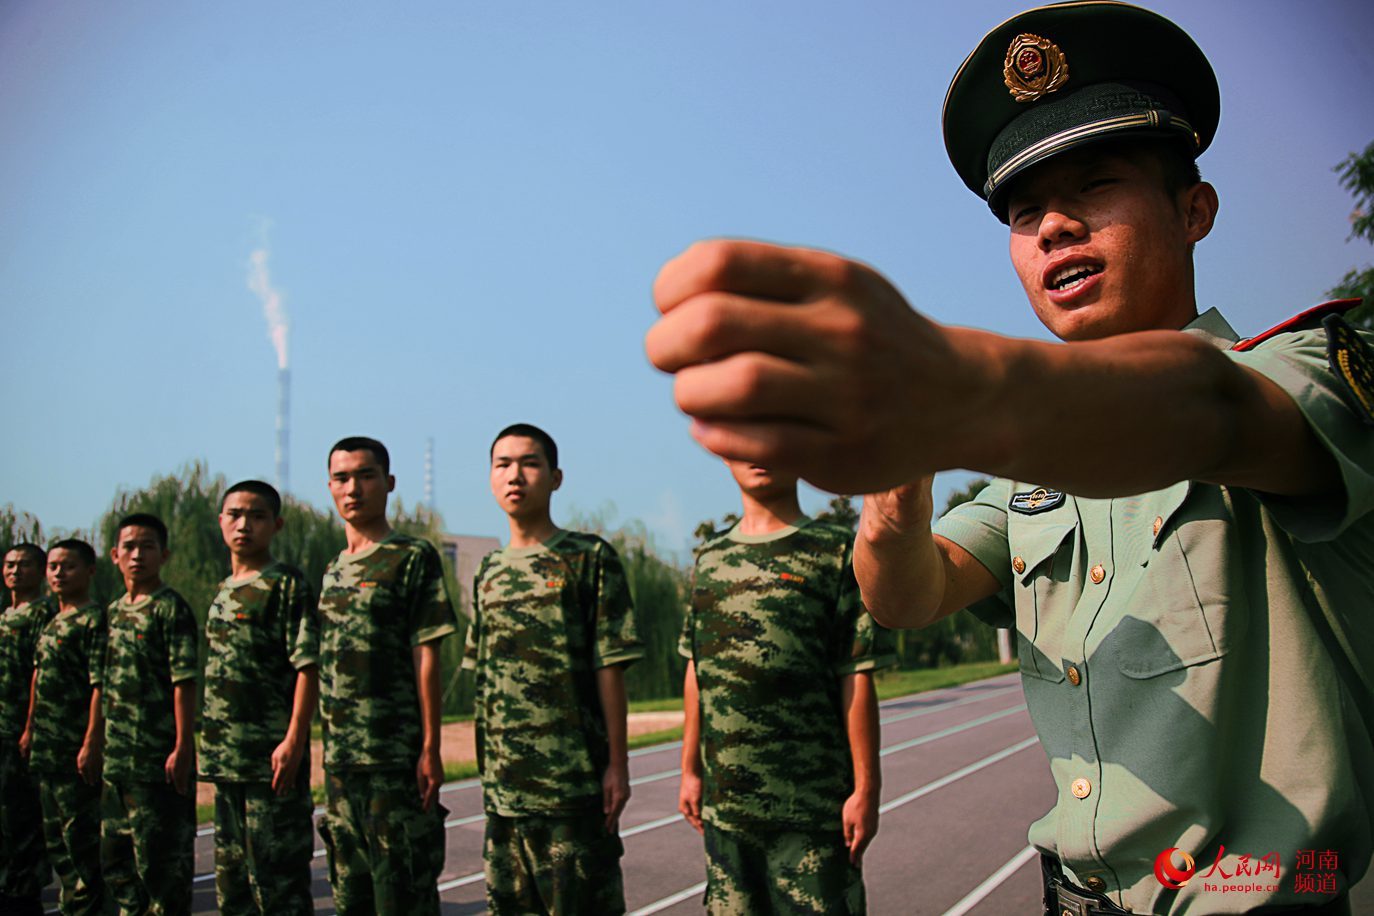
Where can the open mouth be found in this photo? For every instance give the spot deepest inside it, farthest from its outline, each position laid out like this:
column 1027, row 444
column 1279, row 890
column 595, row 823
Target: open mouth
column 1072, row 276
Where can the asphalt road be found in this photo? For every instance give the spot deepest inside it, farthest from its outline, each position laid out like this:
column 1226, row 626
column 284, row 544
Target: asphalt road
column 963, row 777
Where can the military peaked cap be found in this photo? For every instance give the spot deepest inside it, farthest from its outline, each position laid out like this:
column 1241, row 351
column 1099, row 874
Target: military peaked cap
column 1057, row 77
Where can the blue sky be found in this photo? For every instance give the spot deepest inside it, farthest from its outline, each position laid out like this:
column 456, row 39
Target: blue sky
column 464, row 205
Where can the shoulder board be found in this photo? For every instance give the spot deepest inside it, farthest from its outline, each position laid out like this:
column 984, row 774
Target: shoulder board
column 1298, row 321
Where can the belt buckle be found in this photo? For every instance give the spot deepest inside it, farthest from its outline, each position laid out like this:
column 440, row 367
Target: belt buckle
column 1071, row 903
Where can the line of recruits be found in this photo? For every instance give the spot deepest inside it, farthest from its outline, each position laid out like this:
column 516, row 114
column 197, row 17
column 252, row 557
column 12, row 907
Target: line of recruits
column 97, row 717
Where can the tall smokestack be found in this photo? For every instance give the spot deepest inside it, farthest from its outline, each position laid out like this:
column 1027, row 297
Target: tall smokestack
column 283, row 455
column 278, row 327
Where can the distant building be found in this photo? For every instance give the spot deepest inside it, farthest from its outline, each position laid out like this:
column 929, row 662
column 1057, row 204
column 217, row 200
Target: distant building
column 465, row 552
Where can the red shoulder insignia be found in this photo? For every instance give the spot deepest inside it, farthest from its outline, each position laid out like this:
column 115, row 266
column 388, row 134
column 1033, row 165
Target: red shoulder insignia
column 1334, row 307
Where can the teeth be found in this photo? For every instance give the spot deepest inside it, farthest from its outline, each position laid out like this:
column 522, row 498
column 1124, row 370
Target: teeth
column 1071, row 276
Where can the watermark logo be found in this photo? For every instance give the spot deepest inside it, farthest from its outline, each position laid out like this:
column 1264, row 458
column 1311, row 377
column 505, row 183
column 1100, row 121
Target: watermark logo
column 1171, row 875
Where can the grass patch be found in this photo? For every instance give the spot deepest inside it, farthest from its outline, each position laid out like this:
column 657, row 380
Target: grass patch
column 659, row 737
column 901, row 683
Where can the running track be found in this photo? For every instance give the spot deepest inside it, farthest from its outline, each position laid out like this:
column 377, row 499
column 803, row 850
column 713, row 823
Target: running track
column 963, row 776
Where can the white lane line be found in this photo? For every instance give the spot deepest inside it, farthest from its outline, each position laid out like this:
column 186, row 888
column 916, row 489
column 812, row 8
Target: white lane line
column 459, row 882
column 975, row 896
column 650, row 825
column 658, row 905
column 952, row 730
column 941, row 707
column 688, row 893
column 957, row 775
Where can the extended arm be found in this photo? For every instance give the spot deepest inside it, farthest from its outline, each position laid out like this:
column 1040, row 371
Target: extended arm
column 287, row 756
column 182, row 758
column 860, row 815
column 689, row 793
column 429, row 770
column 802, row 360
column 615, row 783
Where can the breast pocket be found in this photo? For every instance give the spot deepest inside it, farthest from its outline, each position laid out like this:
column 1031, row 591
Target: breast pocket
column 1181, row 605
column 1045, row 589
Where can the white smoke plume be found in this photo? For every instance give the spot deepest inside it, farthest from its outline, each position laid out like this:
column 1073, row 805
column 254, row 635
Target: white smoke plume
column 273, row 305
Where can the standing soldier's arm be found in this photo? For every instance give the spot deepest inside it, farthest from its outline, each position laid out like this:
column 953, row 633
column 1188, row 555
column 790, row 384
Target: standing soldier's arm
column 615, row 784
column 429, row 770
column 91, row 756
column 286, row 759
column 689, row 795
column 26, row 737
column 859, row 701
column 178, row 766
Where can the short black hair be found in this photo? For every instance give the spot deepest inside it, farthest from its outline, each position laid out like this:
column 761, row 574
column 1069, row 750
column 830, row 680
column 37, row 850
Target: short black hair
column 38, row 553
column 529, row 431
column 257, row 488
column 362, row 444
column 77, row 546
column 144, row 520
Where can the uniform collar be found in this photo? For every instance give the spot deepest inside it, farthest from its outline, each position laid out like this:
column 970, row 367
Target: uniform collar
column 1213, row 328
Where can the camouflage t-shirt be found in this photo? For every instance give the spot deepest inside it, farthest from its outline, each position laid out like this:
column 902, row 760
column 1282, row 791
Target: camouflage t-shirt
column 775, row 621
column 261, row 629
column 71, row 650
column 150, row 646
column 375, row 607
column 19, row 629
column 544, row 620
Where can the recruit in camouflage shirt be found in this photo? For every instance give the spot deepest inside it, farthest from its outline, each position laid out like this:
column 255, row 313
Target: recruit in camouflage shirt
column 775, row 621
column 19, row 629
column 376, row 606
column 545, row 619
column 150, row 646
column 261, row 629
column 71, row 650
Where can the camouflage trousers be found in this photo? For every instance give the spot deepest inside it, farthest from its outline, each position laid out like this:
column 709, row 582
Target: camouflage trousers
column 23, row 866
column 385, row 854
column 780, row 872
column 71, row 825
column 147, row 847
column 564, row 866
column 263, row 845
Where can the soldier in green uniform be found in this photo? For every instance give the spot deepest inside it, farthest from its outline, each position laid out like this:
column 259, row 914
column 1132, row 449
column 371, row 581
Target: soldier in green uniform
column 261, row 689
column 552, row 632
column 23, row 867
column 1181, row 526
column 780, row 742
column 384, row 609
column 66, row 732
column 148, row 695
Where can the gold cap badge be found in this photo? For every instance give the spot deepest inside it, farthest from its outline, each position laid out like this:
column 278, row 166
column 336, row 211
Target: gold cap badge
column 1034, row 67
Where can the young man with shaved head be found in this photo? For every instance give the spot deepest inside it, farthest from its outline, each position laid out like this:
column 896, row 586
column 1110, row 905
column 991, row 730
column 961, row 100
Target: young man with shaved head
column 384, row 609
column 552, row 631
column 1181, row 527
column 67, row 729
column 23, row 867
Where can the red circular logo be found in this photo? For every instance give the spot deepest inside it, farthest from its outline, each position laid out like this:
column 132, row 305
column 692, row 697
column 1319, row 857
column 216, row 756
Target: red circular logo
column 1170, row 875
column 1030, row 62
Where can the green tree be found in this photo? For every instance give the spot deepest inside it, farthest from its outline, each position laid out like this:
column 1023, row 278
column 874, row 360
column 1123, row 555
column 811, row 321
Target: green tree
column 1357, row 177
column 840, row 511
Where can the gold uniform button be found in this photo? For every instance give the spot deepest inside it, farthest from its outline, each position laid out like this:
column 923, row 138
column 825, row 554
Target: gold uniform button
column 1094, row 884
column 1074, row 677
column 1159, row 523
column 1098, row 574
column 1018, row 565
column 1081, row 788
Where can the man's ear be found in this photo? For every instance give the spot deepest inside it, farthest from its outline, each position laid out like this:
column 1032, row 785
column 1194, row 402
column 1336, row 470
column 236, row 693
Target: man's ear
column 1199, row 207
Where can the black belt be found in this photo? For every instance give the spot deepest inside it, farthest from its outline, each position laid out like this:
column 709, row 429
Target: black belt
column 1063, row 898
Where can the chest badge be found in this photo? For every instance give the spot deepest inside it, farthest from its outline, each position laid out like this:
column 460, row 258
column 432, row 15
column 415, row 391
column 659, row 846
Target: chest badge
column 1034, row 501
column 1352, row 361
